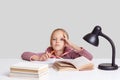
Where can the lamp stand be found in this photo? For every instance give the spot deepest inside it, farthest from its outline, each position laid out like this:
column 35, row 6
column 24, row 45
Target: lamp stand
column 107, row 66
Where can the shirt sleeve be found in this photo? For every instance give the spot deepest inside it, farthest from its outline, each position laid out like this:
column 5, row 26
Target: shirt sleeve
column 28, row 55
column 72, row 54
column 86, row 54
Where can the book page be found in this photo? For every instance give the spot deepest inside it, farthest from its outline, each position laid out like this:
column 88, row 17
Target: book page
column 80, row 62
column 60, row 66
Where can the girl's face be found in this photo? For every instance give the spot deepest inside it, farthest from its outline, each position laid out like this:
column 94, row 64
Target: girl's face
column 57, row 41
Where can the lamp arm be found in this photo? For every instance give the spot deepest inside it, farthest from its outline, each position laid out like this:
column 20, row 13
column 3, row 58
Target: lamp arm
column 113, row 47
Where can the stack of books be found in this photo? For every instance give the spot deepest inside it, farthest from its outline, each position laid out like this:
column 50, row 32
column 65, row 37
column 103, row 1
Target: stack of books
column 29, row 70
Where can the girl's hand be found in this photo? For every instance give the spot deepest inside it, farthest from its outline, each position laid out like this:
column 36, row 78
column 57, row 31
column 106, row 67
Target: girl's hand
column 67, row 41
column 45, row 56
column 35, row 58
column 70, row 44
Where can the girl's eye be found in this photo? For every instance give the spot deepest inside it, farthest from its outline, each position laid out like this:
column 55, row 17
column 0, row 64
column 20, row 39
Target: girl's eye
column 59, row 39
column 53, row 39
column 62, row 39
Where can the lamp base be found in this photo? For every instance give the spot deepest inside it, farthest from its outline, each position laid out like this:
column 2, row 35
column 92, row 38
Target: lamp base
column 107, row 66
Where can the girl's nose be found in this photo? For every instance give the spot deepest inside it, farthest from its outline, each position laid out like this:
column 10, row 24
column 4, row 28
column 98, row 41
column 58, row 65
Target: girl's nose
column 57, row 40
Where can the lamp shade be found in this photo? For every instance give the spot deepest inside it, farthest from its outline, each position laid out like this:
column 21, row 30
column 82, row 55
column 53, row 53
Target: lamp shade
column 92, row 37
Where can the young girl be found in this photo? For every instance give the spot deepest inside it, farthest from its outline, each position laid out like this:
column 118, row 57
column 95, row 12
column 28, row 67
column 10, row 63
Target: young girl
column 60, row 47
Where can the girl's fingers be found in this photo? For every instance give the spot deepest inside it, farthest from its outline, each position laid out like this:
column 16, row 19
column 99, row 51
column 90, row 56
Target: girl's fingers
column 45, row 56
column 34, row 57
column 65, row 37
column 40, row 58
column 49, row 54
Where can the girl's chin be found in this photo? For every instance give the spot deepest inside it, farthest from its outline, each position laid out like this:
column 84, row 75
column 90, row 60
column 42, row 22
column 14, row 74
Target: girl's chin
column 57, row 49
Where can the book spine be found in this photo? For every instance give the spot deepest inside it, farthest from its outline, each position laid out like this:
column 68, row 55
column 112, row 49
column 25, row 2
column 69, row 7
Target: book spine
column 28, row 70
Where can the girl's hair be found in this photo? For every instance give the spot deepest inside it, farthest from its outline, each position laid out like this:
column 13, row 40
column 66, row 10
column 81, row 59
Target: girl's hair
column 58, row 29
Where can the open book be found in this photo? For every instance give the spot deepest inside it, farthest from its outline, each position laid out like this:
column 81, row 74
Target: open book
column 80, row 63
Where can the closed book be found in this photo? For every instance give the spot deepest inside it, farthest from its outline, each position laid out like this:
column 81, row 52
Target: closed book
column 29, row 67
column 29, row 70
column 17, row 74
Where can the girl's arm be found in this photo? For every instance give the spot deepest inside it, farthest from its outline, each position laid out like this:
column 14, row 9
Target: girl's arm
column 82, row 51
column 85, row 53
column 77, row 49
column 30, row 56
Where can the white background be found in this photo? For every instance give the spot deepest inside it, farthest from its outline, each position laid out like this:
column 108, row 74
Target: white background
column 26, row 25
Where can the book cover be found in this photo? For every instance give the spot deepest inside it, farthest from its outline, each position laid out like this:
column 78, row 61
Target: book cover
column 29, row 67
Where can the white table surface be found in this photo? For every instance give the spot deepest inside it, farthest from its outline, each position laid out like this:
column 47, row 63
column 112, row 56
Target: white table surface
column 94, row 74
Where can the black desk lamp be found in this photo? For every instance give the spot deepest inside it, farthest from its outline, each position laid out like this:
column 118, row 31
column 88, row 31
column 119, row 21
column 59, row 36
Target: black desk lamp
column 92, row 38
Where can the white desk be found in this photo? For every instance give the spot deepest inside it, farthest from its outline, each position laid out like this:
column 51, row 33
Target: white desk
column 95, row 74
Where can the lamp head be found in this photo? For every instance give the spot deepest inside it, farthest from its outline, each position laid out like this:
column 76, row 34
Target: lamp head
column 92, row 37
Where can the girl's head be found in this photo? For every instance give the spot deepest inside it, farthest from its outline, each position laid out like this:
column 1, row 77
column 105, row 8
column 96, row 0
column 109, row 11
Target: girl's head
column 57, row 39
